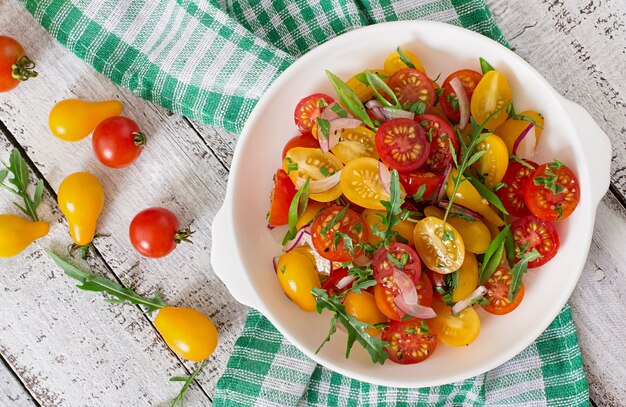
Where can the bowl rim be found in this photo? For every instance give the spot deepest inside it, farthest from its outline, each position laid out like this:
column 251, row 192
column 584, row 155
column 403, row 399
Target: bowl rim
column 540, row 325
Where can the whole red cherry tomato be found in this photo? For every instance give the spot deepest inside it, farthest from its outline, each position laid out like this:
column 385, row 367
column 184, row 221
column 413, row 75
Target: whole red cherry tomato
column 15, row 67
column 154, row 232
column 118, row 141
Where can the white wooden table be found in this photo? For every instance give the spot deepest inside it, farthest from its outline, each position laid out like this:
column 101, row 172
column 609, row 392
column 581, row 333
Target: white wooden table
column 63, row 347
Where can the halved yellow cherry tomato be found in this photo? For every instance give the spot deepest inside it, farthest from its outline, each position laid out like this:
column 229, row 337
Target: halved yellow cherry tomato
column 357, row 142
column 75, row 119
column 394, row 63
column 491, row 93
column 468, row 196
column 475, row 234
column 361, row 183
column 81, row 199
column 441, row 253
column 375, row 217
column 455, row 330
column 312, row 209
column 189, row 333
column 297, row 276
column 17, row 233
column 512, row 128
column 363, row 91
column 468, row 277
column 310, row 162
column 493, row 164
column 363, row 307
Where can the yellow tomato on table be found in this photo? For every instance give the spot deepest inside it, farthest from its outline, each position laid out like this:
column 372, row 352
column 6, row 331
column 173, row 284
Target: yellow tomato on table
column 75, row 119
column 81, row 199
column 17, row 233
column 189, row 333
column 491, row 93
column 313, row 163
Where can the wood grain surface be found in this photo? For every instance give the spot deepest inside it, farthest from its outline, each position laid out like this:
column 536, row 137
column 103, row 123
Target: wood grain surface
column 63, row 347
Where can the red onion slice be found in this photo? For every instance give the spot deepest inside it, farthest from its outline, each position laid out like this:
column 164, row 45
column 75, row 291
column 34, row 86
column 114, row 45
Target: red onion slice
column 391, row 113
column 321, row 185
column 464, row 102
column 441, row 191
column 408, row 292
column 345, row 282
column 385, row 177
column 303, row 237
column 437, row 279
column 362, row 261
column 375, row 108
column 336, row 127
column 415, row 310
column 275, row 263
column 525, row 143
column 465, row 302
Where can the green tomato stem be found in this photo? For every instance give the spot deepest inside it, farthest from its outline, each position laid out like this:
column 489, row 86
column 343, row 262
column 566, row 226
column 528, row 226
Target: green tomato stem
column 23, row 69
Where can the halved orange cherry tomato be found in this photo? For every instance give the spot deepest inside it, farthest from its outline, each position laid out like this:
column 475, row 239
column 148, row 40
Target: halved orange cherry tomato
column 394, row 63
column 302, row 140
column 455, row 330
column 385, row 295
column 530, row 233
column 512, row 193
column 493, row 164
column 491, row 93
column 441, row 253
column 552, row 193
column 313, row 163
column 498, row 287
column 512, row 128
column 468, row 196
column 412, row 181
column 363, row 307
column 475, row 234
column 297, row 276
column 330, row 221
column 362, row 90
column 402, row 144
column 361, row 183
column 355, row 143
column 408, row 343
column 468, row 277
column 309, row 109
column 410, row 85
column 440, row 134
column 282, row 195
column 448, row 99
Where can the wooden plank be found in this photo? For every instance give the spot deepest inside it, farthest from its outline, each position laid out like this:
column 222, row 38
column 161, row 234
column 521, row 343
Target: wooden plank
column 12, row 391
column 580, row 47
column 177, row 171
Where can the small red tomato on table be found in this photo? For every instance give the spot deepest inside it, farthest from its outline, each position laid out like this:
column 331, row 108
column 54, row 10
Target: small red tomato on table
column 118, row 141
column 15, row 66
column 155, row 232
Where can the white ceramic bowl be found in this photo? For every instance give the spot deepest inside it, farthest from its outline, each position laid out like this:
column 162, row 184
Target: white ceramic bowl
column 243, row 247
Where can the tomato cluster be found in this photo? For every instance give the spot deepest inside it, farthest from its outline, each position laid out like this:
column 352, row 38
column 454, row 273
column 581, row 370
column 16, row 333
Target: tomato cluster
column 343, row 184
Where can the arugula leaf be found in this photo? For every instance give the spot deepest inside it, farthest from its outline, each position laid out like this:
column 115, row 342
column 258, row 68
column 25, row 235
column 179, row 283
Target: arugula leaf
column 491, row 259
column 418, row 107
column 392, row 208
column 334, row 221
column 488, row 194
column 347, row 241
column 453, row 153
column 365, row 278
column 515, row 116
column 323, row 126
column 424, row 329
column 398, row 263
column 418, row 196
column 485, row 66
column 91, row 282
column 376, row 83
column 454, row 102
column 549, row 182
column 519, row 269
column 300, row 200
column 405, row 58
column 355, row 328
column 349, row 99
column 523, row 162
column 180, row 398
column 18, row 184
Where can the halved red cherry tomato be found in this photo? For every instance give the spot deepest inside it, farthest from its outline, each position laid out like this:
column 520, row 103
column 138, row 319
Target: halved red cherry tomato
column 383, row 267
column 402, row 144
column 411, row 85
column 302, row 140
column 439, row 134
column 408, row 343
column 448, row 99
column 530, row 233
column 330, row 221
column 281, row 198
column 385, row 294
column 498, row 287
column 412, row 181
column 552, row 193
column 309, row 109
column 15, row 67
column 512, row 193
column 330, row 284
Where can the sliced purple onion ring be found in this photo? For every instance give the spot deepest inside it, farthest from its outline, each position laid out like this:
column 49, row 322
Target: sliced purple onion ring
column 321, row 185
column 385, row 176
column 464, row 102
column 526, row 143
column 391, row 113
column 441, row 190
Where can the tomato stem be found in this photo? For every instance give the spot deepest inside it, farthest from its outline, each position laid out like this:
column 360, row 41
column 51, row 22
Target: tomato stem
column 183, row 235
column 139, row 139
column 23, row 69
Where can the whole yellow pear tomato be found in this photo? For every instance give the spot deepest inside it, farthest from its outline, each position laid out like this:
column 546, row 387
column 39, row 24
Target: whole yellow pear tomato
column 363, row 307
column 75, row 119
column 17, row 233
column 81, row 199
column 297, row 275
column 189, row 333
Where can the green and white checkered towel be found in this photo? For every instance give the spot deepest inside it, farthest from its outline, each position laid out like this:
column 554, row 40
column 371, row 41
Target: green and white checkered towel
column 211, row 60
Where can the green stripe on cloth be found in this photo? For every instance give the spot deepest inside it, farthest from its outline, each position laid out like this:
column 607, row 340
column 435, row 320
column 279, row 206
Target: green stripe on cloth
column 211, row 60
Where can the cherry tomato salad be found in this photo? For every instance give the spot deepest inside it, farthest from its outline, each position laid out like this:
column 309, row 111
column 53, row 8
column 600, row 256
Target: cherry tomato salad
column 407, row 204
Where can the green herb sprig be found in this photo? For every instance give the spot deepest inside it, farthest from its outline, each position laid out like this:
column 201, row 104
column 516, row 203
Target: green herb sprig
column 18, row 184
column 404, row 58
column 187, row 380
column 519, row 269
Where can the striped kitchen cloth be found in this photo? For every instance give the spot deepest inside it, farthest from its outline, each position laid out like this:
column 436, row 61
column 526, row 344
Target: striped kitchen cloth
column 211, row 60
